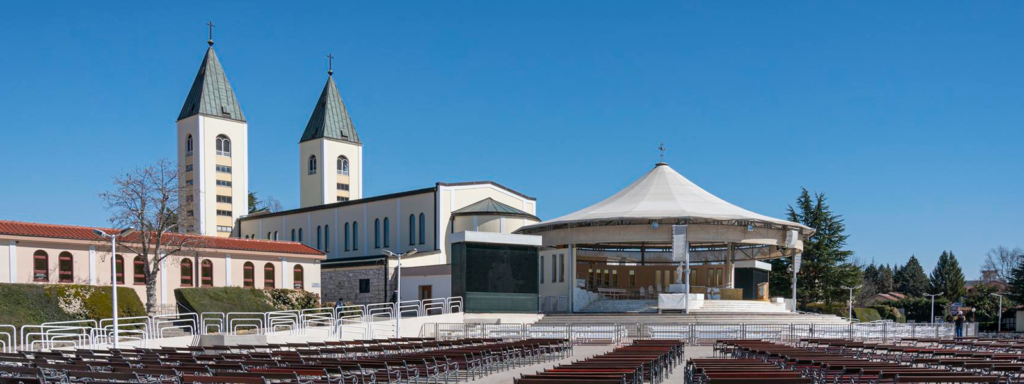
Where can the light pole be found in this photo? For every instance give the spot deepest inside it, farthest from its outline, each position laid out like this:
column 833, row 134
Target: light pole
column 933, row 304
column 113, row 271
column 851, row 300
column 999, row 324
column 398, row 293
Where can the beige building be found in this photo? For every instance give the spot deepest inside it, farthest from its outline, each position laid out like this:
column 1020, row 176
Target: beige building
column 213, row 152
column 56, row 254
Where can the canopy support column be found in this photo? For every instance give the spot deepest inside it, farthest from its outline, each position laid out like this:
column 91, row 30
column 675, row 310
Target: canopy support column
column 729, row 271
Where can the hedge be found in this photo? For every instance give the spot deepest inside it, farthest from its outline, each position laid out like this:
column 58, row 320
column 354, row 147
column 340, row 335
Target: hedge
column 32, row 304
column 236, row 299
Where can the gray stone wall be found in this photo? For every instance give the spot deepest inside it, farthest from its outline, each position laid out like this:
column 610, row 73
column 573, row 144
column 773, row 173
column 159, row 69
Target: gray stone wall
column 344, row 283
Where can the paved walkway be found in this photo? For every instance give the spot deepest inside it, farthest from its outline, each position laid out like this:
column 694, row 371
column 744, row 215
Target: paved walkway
column 584, row 351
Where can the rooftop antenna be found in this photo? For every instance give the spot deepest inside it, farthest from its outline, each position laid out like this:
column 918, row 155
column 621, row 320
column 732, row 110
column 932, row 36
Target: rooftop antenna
column 661, row 156
column 210, row 24
column 330, row 64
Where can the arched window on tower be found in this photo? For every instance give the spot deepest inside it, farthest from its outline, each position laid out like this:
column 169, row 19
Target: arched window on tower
column 223, row 146
column 423, row 229
column 188, row 145
column 355, row 236
column 387, row 233
column 327, row 238
column 319, row 231
column 300, row 235
column 293, row 234
column 312, row 165
column 346, row 237
column 342, row 165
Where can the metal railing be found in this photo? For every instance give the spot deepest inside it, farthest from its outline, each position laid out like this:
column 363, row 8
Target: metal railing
column 699, row 334
column 367, row 321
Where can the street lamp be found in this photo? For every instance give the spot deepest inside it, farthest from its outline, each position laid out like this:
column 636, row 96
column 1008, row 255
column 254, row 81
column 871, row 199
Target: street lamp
column 999, row 324
column 398, row 294
column 851, row 300
column 113, row 270
column 933, row 304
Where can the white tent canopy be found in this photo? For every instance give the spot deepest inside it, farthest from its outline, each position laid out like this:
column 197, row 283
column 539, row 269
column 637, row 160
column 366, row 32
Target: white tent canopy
column 665, row 196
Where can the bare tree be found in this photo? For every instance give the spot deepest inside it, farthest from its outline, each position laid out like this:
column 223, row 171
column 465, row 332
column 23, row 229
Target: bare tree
column 147, row 199
column 1002, row 260
column 271, row 204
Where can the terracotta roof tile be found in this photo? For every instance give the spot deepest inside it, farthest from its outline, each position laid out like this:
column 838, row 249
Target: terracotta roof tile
column 75, row 232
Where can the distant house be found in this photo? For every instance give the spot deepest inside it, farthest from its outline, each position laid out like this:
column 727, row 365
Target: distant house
column 890, row 296
column 987, row 277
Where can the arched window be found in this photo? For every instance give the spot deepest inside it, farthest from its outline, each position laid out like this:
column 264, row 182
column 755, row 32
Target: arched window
column 275, row 236
column 223, row 146
column 387, row 232
column 65, row 268
column 268, row 235
column 423, row 229
column 376, row 233
column 355, row 236
column 297, row 277
column 138, row 271
column 327, row 238
column 268, row 276
column 318, row 234
column 312, row 165
column 293, row 234
column 40, row 266
column 300, row 235
column 206, row 273
column 248, row 275
column 119, row 269
column 412, row 229
column 186, row 273
column 342, row 165
column 188, row 145
column 346, row 237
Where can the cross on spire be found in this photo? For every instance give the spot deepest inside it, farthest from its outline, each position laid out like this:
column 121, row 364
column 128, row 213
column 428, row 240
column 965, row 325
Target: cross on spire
column 661, row 148
column 210, row 25
column 330, row 64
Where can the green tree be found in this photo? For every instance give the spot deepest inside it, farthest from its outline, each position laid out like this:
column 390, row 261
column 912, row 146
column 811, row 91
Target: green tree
column 948, row 278
column 825, row 267
column 986, row 306
column 910, row 279
column 885, row 279
column 1015, row 291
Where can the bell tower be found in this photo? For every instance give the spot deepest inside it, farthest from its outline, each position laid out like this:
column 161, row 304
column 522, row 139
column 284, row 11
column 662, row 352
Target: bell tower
column 330, row 153
column 213, row 152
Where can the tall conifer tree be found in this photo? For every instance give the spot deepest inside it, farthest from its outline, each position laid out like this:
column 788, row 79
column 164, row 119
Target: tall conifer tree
column 948, row 278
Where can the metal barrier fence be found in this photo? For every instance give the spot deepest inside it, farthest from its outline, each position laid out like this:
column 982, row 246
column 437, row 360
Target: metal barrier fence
column 700, row 334
column 369, row 321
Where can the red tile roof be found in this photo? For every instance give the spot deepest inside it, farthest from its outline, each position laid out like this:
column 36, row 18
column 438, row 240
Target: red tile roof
column 75, row 232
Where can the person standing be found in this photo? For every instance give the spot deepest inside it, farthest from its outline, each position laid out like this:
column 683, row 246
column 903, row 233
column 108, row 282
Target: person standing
column 959, row 320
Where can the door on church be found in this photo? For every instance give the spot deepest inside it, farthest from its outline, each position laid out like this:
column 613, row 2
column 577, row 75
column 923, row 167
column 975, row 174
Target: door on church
column 426, row 292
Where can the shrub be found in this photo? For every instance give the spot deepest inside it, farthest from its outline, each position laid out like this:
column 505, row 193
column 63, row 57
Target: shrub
column 31, row 304
column 236, row 299
column 866, row 314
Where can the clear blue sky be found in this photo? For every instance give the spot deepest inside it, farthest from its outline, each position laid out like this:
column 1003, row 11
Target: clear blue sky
column 909, row 115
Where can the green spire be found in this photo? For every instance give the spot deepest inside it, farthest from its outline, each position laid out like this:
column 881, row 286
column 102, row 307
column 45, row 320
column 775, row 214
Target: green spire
column 330, row 117
column 211, row 93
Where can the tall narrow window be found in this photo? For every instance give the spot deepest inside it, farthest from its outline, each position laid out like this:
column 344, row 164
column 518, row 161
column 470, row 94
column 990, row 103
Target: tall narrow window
column 355, row 236
column 119, row 269
column 40, row 266
column 346, row 237
column 223, row 146
column 541, row 270
column 300, row 235
column 268, row 276
column 206, row 273
column 293, row 234
column 412, row 229
column 554, row 268
column 66, row 268
column 186, row 273
column 275, row 236
column 342, row 165
column 376, row 233
column 297, row 277
column 319, row 232
column 632, row 278
column 327, row 238
column 423, row 229
column 561, row 267
column 615, row 277
column 312, row 165
column 268, row 235
column 138, row 271
column 248, row 275
column 188, row 145
column 387, row 233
